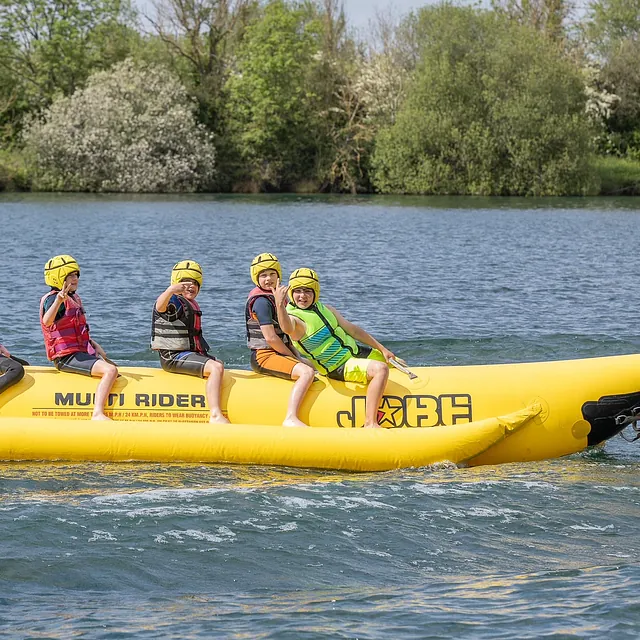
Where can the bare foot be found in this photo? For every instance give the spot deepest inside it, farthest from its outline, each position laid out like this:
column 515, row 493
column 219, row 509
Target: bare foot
column 375, row 425
column 218, row 418
column 293, row 422
column 100, row 416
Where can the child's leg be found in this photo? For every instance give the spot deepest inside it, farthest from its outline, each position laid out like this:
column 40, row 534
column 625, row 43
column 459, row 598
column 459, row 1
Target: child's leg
column 108, row 374
column 200, row 365
column 373, row 370
column 11, row 372
column 378, row 374
column 303, row 375
column 269, row 362
column 214, row 371
column 90, row 365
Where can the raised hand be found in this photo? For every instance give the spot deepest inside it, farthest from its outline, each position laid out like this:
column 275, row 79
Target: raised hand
column 66, row 290
column 180, row 288
column 280, row 293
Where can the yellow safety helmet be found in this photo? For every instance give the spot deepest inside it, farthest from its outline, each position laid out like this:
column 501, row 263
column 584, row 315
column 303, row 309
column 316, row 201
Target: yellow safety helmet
column 307, row 278
column 58, row 268
column 263, row 262
column 186, row 269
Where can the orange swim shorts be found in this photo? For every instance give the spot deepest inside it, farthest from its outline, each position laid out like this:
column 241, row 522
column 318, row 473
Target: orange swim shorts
column 271, row 363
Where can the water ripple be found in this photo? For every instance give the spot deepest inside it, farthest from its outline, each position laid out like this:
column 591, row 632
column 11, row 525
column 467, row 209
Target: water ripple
column 547, row 549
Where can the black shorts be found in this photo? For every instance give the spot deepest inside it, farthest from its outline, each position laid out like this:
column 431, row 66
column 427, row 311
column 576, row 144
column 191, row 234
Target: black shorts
column 189, row 363
column 11, row 372
column 79, row 362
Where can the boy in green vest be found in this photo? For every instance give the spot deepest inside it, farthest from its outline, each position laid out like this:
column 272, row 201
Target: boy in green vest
column 320, row 333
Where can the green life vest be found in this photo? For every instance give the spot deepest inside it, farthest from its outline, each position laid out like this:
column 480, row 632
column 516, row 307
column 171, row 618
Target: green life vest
column 324, row 340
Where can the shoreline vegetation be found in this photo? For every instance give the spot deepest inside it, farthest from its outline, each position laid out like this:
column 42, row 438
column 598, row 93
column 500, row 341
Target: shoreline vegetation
column 523, row 98
column 617, row 177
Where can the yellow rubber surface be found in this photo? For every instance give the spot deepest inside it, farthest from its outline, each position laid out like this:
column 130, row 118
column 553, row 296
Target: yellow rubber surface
column 342, row 449
column 439, row 396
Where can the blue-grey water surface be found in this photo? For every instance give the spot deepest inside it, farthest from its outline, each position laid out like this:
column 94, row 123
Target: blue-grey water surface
column 546, row 549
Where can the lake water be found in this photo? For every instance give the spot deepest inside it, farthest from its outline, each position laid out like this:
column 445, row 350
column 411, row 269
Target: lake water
column 546, row 549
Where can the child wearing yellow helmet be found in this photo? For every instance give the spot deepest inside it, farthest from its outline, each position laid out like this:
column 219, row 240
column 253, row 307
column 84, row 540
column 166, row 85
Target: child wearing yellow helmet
column 272, row 353
column 176, row 334
column 323, row 335
column 11, row 369
column 66, row 332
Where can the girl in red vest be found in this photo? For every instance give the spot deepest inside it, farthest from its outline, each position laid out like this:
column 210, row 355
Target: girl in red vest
column 66, row 332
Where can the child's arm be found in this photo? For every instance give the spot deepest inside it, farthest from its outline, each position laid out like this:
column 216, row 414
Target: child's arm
column 359, row 334
column 4, row 351
column 264, row 313
column 162, row 301
column 50, row 315
column 292, row 326
column 99, row 350
column 274, row 340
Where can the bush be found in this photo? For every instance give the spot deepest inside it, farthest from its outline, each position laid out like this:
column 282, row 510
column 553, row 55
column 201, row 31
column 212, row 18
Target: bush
column 13, row 172
column 132, row 129
column 622, row 72
column 618, row 176
column 493, row 109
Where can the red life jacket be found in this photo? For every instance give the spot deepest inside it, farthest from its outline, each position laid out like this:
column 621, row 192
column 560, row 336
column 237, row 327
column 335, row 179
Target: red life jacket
column 196, row 336
column 256, row 293
column 68, row 335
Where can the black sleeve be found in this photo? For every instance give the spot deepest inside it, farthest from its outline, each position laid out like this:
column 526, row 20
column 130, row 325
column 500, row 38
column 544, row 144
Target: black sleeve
column 263, row 310
column 47, row 305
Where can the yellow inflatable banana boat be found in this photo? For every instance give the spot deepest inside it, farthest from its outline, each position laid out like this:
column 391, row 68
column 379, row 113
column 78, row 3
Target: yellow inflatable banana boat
column 343, row 449
column 577, row 403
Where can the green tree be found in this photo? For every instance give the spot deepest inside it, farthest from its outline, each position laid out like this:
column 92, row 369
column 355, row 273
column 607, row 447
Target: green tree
column 12, row 97
column 342, row 137
column 610, row 22
column 613, row 33
column 272, row 104
column 622, row 73
column 53, row 45
column 492, row 109
column 547, row 16
column 198, row 40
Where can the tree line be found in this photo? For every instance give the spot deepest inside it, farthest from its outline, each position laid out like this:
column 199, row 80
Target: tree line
column 527, row 97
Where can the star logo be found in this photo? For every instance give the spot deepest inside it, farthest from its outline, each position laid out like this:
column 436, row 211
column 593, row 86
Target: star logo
column 388, row 411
